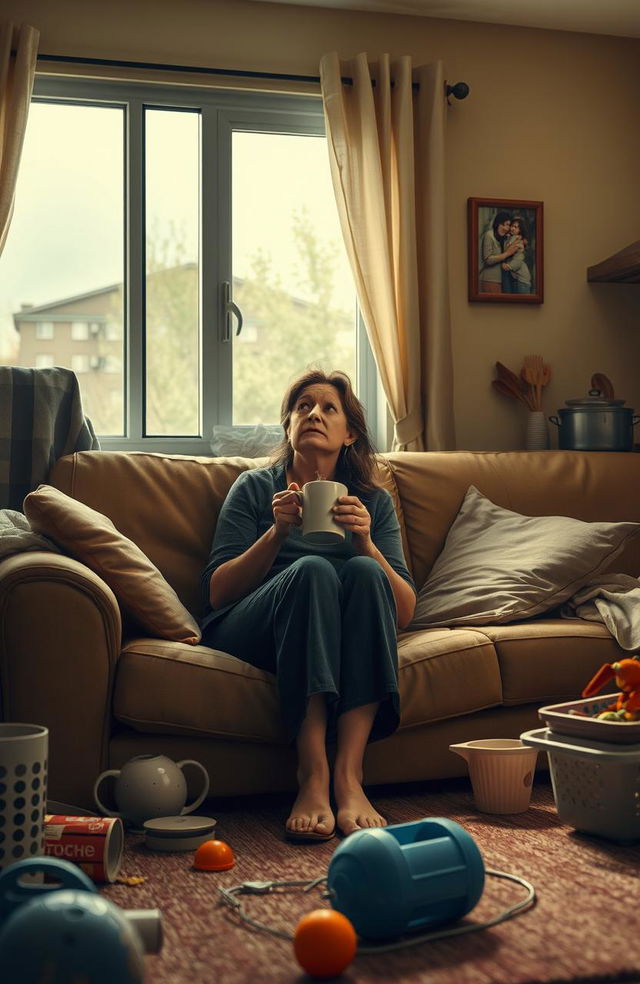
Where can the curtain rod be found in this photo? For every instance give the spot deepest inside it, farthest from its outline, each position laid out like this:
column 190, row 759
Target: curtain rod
column 460, row 90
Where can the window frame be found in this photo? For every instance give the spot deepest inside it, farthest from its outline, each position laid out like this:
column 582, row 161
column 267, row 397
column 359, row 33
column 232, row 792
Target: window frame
column 222, row 111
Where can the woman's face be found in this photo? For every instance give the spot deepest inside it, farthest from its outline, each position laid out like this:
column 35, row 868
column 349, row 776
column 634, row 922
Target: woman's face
column 318, row 421
column 504, row 227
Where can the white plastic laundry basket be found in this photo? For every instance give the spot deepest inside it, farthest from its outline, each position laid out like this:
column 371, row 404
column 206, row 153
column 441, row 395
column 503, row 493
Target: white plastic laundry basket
column 596, row 785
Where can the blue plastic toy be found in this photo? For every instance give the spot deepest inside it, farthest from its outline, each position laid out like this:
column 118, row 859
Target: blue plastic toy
column 406, row 877
column 59, row 934
column 16, row 891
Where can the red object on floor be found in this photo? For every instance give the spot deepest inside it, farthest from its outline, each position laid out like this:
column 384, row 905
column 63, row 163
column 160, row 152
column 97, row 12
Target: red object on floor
column 325, row 943
column 214, row 855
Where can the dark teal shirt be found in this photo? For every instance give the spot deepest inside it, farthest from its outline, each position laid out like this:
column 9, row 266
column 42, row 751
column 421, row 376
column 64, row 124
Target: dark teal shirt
column 247, row 514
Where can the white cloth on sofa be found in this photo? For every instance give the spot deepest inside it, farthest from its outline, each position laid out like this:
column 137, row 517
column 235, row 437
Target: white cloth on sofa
column 613, row 599
column 16, row 535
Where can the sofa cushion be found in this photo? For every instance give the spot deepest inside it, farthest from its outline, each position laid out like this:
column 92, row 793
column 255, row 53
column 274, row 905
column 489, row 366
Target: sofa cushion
column 166, row 503
column 168, row 688
column 595, row 486
column 499, row 566
column 443, row 673
column 92, row 538
column 549, row 659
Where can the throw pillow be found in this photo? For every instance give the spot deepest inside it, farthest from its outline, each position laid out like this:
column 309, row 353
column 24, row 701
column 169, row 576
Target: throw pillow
column 91, row 537
column 499, row 566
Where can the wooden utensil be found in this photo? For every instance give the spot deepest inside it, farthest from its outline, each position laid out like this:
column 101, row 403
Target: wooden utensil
column 601, row 382
column 513, row 384
column 506, row 389
column 536, row 374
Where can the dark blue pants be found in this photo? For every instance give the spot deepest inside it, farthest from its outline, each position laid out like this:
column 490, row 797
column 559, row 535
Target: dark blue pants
column 321, row 631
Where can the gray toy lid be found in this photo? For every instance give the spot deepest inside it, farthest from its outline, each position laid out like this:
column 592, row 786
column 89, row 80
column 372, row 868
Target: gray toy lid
column 187, row 826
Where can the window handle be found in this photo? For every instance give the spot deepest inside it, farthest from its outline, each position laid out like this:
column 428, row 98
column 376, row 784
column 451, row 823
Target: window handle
column 230, row 309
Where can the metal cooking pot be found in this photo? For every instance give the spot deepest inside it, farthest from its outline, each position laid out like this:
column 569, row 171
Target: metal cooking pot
column 594, row 423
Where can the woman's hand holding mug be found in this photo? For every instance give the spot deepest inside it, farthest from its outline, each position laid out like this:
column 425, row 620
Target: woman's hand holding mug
column 351, row 514
column 286, row 510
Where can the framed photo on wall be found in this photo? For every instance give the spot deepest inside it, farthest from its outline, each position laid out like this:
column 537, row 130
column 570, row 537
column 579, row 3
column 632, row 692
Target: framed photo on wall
column 505, row 251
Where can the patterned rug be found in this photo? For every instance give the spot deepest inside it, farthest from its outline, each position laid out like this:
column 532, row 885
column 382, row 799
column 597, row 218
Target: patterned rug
column 584, row 928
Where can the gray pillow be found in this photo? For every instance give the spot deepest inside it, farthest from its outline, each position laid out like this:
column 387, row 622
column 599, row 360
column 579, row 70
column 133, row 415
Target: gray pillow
column 499, row 566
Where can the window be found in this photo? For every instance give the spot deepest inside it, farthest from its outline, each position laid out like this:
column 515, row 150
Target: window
column 44, row 329
column 79, row 331
column 43, row 360
column 211, row 207
column 80, row 363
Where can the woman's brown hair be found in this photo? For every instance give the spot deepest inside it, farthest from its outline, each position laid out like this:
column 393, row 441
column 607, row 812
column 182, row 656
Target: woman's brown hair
column 356, row 463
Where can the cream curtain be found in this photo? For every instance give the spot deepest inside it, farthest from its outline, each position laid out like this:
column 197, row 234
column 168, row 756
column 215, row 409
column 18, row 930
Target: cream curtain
column 18, row 52
column 386, row 151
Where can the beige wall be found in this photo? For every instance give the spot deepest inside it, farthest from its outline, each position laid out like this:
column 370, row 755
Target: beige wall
column 552, row 116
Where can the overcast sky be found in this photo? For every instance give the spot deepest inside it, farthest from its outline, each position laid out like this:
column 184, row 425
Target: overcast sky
column 66, row 235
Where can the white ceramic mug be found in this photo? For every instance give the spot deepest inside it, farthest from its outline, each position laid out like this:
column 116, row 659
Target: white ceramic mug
column 150, row 786
column 318, row 524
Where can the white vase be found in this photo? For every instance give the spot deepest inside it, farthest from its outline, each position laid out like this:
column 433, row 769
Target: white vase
column 536, row 435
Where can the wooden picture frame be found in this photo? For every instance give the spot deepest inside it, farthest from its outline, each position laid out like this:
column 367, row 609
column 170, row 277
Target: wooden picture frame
column 518, row 277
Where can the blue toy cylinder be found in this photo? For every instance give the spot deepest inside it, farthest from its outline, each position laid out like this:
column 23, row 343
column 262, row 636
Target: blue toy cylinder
column 406, row 877
column 70, row 935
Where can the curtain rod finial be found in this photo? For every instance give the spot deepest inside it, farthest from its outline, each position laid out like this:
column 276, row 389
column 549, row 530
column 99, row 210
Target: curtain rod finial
column 460, row 90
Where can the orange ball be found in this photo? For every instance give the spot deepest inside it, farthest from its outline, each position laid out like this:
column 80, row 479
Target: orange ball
column 214, row 855
column 325, row 943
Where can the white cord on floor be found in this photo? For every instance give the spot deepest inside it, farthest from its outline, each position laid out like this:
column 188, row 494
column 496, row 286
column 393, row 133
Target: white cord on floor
column 228, row 896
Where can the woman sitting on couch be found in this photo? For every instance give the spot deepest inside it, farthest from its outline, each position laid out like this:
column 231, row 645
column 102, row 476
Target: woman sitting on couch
column 323, row 618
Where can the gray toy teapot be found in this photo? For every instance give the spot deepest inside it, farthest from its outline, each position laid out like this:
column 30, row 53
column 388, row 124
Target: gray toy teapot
column 150, row 786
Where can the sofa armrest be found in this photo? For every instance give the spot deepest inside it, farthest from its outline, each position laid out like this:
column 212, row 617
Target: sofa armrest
column 60, row 639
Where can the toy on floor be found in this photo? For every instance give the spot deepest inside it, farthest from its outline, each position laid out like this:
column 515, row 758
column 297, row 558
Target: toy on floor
column 627, row 676
column 149, row 786
column 388, row 883
column 214, row 855
column 66, row 931
column 324, row 943
column 406, row 877
column 70, row 935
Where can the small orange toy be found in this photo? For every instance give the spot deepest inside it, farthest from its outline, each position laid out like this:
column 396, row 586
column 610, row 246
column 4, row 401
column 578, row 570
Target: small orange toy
column 627, row 676
column 325, row 943
column 214, row 855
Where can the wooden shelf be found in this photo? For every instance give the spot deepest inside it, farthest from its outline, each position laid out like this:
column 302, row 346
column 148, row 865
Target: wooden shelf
column 621, row 268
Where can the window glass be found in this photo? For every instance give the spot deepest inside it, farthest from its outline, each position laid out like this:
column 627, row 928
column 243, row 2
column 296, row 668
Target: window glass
column 135, row 206
column 292, row 280
column 64, row 255
column 172, row 271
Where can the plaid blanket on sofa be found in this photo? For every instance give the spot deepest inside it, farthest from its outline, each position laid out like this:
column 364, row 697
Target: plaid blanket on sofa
column 41, row 419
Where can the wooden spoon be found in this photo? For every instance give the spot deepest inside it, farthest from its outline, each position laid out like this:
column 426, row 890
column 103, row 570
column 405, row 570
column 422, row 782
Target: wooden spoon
column 601, row 382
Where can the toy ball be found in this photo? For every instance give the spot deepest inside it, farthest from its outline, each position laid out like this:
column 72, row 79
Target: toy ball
column 214, row 855
column 70, row 935
column 405, row 877
column 324, row 943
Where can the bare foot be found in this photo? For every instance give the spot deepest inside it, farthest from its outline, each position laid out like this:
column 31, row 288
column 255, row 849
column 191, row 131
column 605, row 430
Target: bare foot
column 311, row 814
column 355, row 812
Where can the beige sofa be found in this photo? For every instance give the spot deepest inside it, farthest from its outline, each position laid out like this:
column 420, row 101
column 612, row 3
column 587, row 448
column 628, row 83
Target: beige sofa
column 69, row 662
